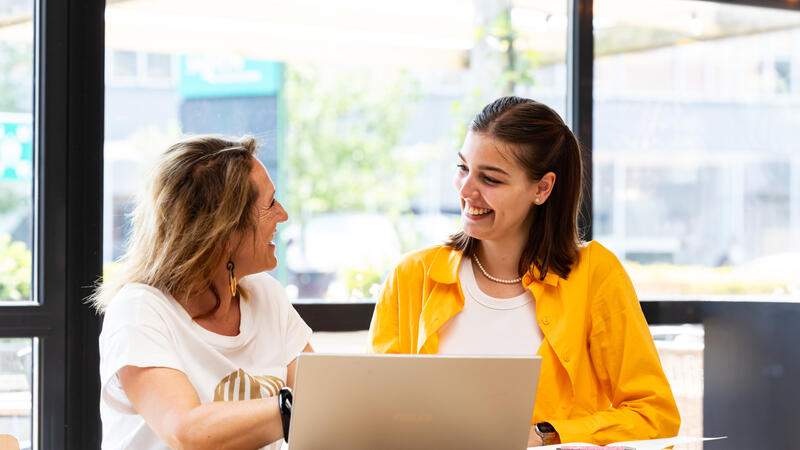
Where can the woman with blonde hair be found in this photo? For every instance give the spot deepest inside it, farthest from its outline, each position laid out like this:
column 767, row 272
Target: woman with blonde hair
column 198, row 345
column 517, row 280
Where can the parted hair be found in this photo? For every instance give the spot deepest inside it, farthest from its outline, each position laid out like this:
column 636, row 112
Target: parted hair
column 540, row 142
column 199, row 194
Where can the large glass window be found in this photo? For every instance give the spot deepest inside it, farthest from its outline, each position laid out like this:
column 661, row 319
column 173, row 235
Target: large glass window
column 49, row 206
column 16, row 388
column 696, row 167
column 360, row 107
column 696, row 176
column 16, row 150
column 17, row 375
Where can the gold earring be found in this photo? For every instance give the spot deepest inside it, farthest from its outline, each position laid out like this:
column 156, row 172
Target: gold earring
column 232, row 279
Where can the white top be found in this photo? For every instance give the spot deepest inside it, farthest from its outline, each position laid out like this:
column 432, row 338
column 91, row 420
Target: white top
column 488, row 325
column 145, row 327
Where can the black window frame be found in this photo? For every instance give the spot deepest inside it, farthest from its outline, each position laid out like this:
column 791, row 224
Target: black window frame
column 67, row 225
column 68, row 160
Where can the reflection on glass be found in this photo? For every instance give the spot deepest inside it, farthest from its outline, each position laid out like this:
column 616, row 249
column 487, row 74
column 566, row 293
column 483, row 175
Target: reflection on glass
column 697, row 174
column 16, row 388
column 16, row 149
column 360, row 108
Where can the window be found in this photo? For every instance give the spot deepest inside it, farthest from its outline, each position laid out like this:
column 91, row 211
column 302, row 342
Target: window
column 16, row 155
column 16, row 214
column 696, row 175
column 16, row 389
column 360, row 108
column 159, row 66
column 695, row 168
column 50, row 190
column 125, row 64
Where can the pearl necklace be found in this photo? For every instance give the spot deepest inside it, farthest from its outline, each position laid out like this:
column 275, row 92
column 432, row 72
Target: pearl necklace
column 495, row 279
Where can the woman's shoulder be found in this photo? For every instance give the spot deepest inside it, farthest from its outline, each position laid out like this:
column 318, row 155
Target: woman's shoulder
column 136, row 304
column 261, row 282
column 425, row 257
column 266, row 295
column 598, row 261
column 136, row 296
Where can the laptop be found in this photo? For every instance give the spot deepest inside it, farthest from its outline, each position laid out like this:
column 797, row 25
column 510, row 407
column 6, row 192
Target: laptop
column 357, row 402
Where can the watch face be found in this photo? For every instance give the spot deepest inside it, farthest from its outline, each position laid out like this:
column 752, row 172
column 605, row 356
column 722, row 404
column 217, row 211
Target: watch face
column 545, row 427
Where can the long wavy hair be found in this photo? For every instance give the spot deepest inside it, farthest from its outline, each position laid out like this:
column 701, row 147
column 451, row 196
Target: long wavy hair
column 541, row 142
column 200, row 193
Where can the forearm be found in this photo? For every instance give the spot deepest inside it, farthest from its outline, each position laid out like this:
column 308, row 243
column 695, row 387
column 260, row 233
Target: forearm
column 625, row 423
column 245, row 424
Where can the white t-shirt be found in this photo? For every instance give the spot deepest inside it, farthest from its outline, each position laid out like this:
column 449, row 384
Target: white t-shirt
column 145, row 327
column 488, row 325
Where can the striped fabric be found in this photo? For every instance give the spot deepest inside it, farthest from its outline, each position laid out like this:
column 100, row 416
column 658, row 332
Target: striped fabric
column 240, row 385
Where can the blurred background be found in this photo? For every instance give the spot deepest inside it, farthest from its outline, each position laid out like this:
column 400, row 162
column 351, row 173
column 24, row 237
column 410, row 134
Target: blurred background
column 361, row 106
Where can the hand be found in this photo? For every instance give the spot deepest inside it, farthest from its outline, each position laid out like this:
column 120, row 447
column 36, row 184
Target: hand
column 534, row 440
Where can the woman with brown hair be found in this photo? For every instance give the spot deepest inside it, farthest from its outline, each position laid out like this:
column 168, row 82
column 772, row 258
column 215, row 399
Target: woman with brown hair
column 198, row 345
column 517, row 280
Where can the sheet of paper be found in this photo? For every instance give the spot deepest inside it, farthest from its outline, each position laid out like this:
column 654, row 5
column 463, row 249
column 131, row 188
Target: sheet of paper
column 556, row 446
column 651, row 444
column 658, row 444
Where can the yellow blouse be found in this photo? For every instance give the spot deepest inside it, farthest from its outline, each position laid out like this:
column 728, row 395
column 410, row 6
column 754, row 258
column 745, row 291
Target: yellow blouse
column 601, row 379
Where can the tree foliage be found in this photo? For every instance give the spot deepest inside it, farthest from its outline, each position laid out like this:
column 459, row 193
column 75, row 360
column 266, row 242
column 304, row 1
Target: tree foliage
column 343, row 142
column 506, row 51
column 15, row 269
column 16, row 77
column 11, row 199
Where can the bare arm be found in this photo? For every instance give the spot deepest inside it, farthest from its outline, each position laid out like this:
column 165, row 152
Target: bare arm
column 169, row 404
column 292, row 367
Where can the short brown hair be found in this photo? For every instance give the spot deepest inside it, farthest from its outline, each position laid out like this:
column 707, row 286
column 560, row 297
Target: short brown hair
column 199, row 194
column 541, row 142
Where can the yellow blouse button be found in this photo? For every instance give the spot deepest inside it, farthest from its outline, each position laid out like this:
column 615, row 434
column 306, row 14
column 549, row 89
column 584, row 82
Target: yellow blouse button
column 545, row 321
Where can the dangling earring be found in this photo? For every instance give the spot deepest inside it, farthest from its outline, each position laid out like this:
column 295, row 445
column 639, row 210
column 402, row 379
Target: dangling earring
column 232, row 279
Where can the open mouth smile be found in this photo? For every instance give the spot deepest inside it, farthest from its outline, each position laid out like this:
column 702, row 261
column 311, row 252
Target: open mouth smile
column 474, row 213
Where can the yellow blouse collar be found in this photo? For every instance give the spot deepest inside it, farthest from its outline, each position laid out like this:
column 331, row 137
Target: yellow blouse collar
column 444, row 269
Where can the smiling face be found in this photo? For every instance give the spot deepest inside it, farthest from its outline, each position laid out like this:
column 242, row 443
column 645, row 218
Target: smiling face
column 496, row 194
column 256, row 251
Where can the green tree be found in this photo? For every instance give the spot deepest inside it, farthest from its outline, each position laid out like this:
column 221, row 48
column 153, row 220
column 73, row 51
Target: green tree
column 15, row 270
column 344, row 152
column 505, row 40
column 505, row 45
column 11, row 199
column 16, row 77
column 343, row 139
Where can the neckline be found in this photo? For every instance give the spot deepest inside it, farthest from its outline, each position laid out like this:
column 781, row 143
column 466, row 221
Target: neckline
column 221, row 340
column 213, row 339
column 470, row 284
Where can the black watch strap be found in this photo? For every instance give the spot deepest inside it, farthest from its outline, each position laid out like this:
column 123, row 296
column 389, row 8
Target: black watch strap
column 285, row 406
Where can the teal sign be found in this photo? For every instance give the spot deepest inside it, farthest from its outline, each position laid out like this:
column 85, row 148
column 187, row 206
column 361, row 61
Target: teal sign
column 16, row 147
column 228, row 76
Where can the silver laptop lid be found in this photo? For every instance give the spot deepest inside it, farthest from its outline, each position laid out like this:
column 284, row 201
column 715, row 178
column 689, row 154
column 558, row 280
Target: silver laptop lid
column 407, row 401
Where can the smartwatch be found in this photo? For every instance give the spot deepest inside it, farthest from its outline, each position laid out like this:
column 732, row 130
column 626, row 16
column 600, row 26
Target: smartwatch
column 547, row 432
column 285, row 406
